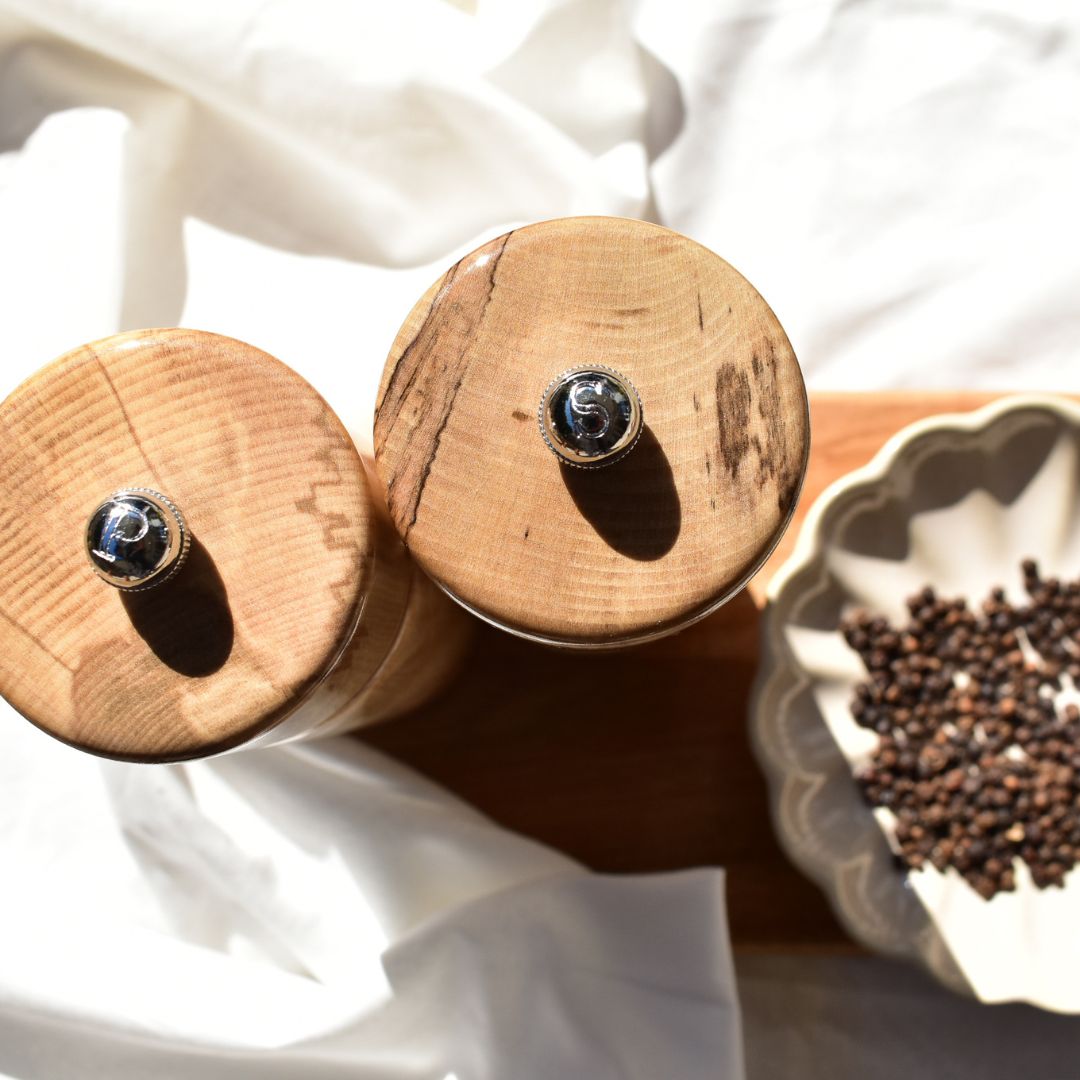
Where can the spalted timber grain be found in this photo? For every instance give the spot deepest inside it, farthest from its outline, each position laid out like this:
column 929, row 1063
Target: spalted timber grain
column 644, row 546
column 297, row 596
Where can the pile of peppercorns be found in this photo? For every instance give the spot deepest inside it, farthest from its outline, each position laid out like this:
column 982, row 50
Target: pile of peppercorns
column 975, row 759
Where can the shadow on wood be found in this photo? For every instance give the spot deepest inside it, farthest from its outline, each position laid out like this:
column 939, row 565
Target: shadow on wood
column 633, row 504
column 186, row 621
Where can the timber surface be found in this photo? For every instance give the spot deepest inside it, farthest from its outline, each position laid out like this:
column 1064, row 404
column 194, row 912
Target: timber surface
column 283, row 555
column 591, row 556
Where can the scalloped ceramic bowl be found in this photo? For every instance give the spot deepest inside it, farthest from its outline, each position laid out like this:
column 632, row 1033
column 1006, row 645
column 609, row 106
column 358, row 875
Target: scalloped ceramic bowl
column 953, row 501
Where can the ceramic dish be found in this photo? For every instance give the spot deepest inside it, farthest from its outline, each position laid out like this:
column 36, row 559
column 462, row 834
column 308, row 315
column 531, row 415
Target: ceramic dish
column 955, row 501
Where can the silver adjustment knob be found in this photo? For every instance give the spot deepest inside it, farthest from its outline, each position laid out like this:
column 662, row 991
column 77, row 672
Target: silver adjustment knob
column 136, row 539
column 590, row 416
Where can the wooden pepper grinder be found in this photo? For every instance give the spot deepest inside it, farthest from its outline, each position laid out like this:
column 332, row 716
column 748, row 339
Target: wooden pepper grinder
column 191, row 558
column 591, row 431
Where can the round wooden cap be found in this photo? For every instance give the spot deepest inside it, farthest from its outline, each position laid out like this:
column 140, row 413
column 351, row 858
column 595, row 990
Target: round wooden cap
column 607, row 555
column 275, row 498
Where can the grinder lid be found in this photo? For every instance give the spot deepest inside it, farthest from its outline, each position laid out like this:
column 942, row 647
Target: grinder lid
column 504, row 361
column 272, row 495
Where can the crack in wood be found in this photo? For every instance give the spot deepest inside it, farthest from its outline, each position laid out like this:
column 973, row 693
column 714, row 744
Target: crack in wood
column 441, row 345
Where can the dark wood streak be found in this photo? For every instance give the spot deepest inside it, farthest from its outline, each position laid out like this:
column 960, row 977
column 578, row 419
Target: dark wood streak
column 733, row 401
column 334, row 526
column 700, row 313
column 431, row 457
column 441, row 346
column 394, row 395
column 775, row 438
column 776, row 460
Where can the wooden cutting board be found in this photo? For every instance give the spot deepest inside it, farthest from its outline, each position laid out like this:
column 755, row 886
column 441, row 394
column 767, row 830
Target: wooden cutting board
column 661, row 778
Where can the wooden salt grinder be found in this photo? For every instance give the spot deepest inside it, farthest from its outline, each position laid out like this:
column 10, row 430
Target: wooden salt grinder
column 544, row 355
column 282, row 603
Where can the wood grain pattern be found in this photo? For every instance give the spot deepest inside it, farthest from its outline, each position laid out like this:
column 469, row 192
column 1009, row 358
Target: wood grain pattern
column 295, row 596
column 662, row 777
column 617, row 554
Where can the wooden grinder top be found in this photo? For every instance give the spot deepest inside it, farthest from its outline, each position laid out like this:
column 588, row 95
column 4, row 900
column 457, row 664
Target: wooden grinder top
column 600, row 556
column 274, row 495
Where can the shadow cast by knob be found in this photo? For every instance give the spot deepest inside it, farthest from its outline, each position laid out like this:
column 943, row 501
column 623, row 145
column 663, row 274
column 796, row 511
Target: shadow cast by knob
column 186, row 622
column 633, row 504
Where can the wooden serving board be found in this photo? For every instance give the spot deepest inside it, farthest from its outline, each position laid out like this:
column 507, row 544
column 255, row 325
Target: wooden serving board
column 639, row 760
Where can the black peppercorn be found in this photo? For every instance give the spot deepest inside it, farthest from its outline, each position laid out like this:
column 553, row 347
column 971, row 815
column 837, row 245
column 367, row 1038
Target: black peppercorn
column 973, row 757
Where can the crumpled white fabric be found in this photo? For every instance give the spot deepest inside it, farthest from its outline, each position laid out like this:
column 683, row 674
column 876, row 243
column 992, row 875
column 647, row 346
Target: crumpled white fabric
column 295, row 174
column 317, row 911
column 898, row 180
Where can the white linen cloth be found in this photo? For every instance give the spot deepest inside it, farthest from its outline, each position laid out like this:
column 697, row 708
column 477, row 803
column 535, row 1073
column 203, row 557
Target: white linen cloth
column 898, row 180
column 316, row 911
